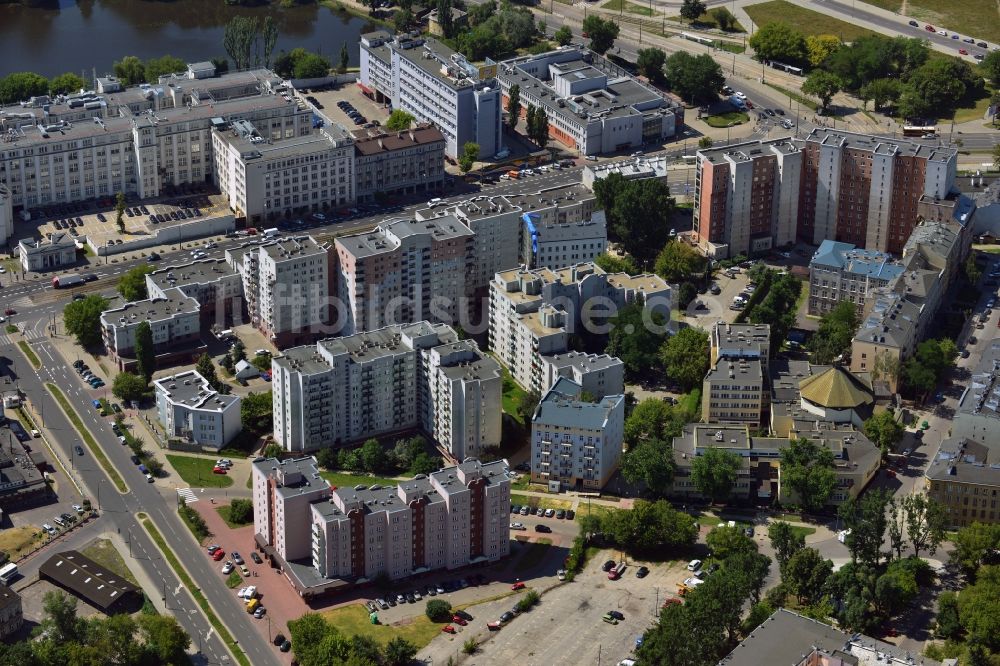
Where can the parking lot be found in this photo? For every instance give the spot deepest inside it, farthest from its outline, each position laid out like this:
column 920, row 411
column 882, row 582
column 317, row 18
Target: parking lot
column 550, row 633
column 349, row 93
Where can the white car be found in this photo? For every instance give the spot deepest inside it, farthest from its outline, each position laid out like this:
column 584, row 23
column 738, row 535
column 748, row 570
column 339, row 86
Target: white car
column 227, row 568
column 2, row 319
column 740, row 95
column 77, row 508
column 250, row 592
column 561, row 574
column 504, row 176
column 693, row 582
column 943, row 33
column 2, row 270
column 528, row 172
column 242, row 592
column 694, row 565
column 517, row 526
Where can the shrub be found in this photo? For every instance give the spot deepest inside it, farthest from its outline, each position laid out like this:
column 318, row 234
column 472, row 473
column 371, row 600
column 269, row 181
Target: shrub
column 438, row 610
column 528, row 601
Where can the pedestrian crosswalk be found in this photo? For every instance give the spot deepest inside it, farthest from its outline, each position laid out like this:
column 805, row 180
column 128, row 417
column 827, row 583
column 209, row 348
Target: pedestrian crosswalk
column 30, row 335
column 187, row 495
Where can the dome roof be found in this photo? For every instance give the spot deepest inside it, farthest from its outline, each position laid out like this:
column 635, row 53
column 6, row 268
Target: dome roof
column 836, row 388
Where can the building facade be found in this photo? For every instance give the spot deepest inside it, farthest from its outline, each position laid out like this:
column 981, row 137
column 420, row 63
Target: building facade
column 592, row 105
column 832, row 185
column 842, row 272
column 47, row 255
column 6, row 215
column 396, row 379
column 405, row 271
column 964, row 478
column 11, row 614
column 576, row 443
column 216, row 286
column 408, row 162
column 265, row 179
column 191, row 410
column 437, row 85
column 174, row 321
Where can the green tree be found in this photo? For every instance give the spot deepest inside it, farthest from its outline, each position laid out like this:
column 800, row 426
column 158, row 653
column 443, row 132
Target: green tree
column 514, row 105
column 130, row 71
column 806, row 574
column 402, row 19
column 973, row 544
column 528, row 404
column 650, row 462
column 312, row 66
column 884, row 431
column 83, row 319
column 725, row 541
column 438, row 610
column 926, row 522
column 602, row 33
column 932, row 360
column 164, row 638
column 345, row 58
column 132, row 285
column 759, row 612
column 424, row 463
column 697, row 79
column 865, row 518
column 206, row 368
column 268, row 35
column 705, row 142
column 120, row 212
column 724, row 19
column 399, row 652
column 538, row 129
column 786, row 541
column 635, row 337
column 128, row 387
column 836, row 331
column 692, row 9
column 238, row 40
column 563, row 35
column 778, row 41
column 61, row 624
column 678, row 262
column 807, row 470
column 638, row 213
column 650, row 63
column 309, row 634
column 373, row 456
column 529, row 119
column 145, row 352
column 714, row 472
column 651, row 419
column 168, row 64
column 990, row 67
column 66, row 84
column 21, row 86
column 685, row 357
column 255, row 412
column 470, row 153
column 882, row 92
column 823, row 85
column 948, row 624
column 241, row 511
column 821, row 47
column 616, row 264
column 444, row 18
column 937, row 87
column 896, row 526
column 399, row 121
column 971, row 269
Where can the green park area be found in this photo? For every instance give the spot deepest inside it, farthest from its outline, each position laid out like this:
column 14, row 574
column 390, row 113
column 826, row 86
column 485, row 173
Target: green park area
column 806, row 21
column 197, row 472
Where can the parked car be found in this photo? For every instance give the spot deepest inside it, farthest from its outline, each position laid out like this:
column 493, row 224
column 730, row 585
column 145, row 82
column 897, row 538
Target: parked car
column 227, row 568
column 517, row 586
column 543, row 528
column 642, row 572
column 256, row 558
column 694, row 565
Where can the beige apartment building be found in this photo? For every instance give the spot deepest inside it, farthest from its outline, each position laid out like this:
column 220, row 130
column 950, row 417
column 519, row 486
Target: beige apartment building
column 212, row 282
column 407, row 162
column 175, row 322
column 965, row 478
column 405, row 271
column 734, row 389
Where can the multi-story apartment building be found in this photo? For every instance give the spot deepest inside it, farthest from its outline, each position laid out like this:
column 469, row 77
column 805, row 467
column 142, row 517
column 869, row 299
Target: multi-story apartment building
column 451, row 518
column 327, row 538
column 559, row 245
column 437, row 85
column 977, row 416
column 395, row 379
column 533, row 313
column 856, row 459
column 287, row 285
column 6, row 215
column 964, row 477
column 265, row 179
column 216, row 286
column 140, row 140
column 48, row 254
column 842, row 272
column 733, row 391
column 592, row 105
column 405, row 271
column 11, row 616
column 496, row 225
column 749, row 341
column 174, row 321
column 405, row 162
column 575, row 442
column 597, row 374
column 191, row 410
column 834, row 185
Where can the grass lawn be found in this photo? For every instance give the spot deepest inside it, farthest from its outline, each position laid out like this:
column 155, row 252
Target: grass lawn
column 976, row 18
column 973, row 111
column 731, row 47
column 889, row 5
column 224, row 512
column 727, row 119
column 795, row 96
column 353, row 621
column 11, row 328
column 533, row 554
column 691, row 402
column 804, row 531
column 341, row 479
column 543, row 502
column 707, row 20
column 197, row 472
column 234, row 580
column 596, row 509
column 88, row 439
column 29, row 354
column 804, row 20
column 630, row 7
column 104, row 553
column 16, row 541
column 708, row 520
column 513, row 394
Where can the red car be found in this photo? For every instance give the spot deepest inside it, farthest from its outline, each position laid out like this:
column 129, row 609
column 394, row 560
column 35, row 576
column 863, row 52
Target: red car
column 929, row 28
column 10, row 311
column 493, row 626
column 458, row 620
column 218, row 555
column 448, row 629
column 218, row 470
column 517, row 586
column 963, row 52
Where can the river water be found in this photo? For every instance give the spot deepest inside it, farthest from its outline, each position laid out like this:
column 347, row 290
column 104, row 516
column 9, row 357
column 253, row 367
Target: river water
column 81, row 35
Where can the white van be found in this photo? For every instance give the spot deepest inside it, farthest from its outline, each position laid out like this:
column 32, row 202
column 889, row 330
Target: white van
column 271, row 233
column 436, row 201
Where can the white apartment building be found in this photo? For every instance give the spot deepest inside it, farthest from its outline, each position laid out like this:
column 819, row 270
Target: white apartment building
column 449, row 519
column 6, row 215
column 216, row 286
column 576, row 443
column 174, row 322
column 559, row 245
column 47, row 255
column 265, row 179
column 287, row 285
column 405, row 271
column 592, row 105
column 141, row 140
column 398, row 378
column 597, row 374
column 191, row 410
column 533, row 313
column 424, row 77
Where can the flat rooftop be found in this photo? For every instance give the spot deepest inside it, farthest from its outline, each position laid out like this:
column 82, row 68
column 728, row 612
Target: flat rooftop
column 201, row 272
column 981, row 396
column 192, row 390
column 880, row 145
column 327, row 137
column 741, row 339
column 294, row 247
column 741, row 371
column 387, row 236
column 963, row 460
column 480, row 366
column 748, row 150
column 296, row 476
column 151, row 310
column 582, row 360
column 562, row 407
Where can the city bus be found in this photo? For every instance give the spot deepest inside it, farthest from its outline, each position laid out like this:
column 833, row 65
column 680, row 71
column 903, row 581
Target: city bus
column 7, row 573
column 919, row 130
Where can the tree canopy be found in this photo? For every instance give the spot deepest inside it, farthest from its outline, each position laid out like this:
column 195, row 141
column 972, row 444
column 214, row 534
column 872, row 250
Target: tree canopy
column 650, row 63
column 697, row 79
column 83, row 319
column 145, row 352
column 496, row 31
column 470, row 153
column 785, row 540
column 714, row 472
column 679, row 262
column 128, row 386
column 601, row 32
column 778, row 41
column 884, row 431
column 931, row 362
column 255, row 412
column 635, row 337
column 807, row 470
column 20, row 86
column 638, row 213
column 67, row 83
column 836, row 331
column 685, row 357
column 823, row 85
column 132, row 285
column 399, row 120
column 317, row 642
